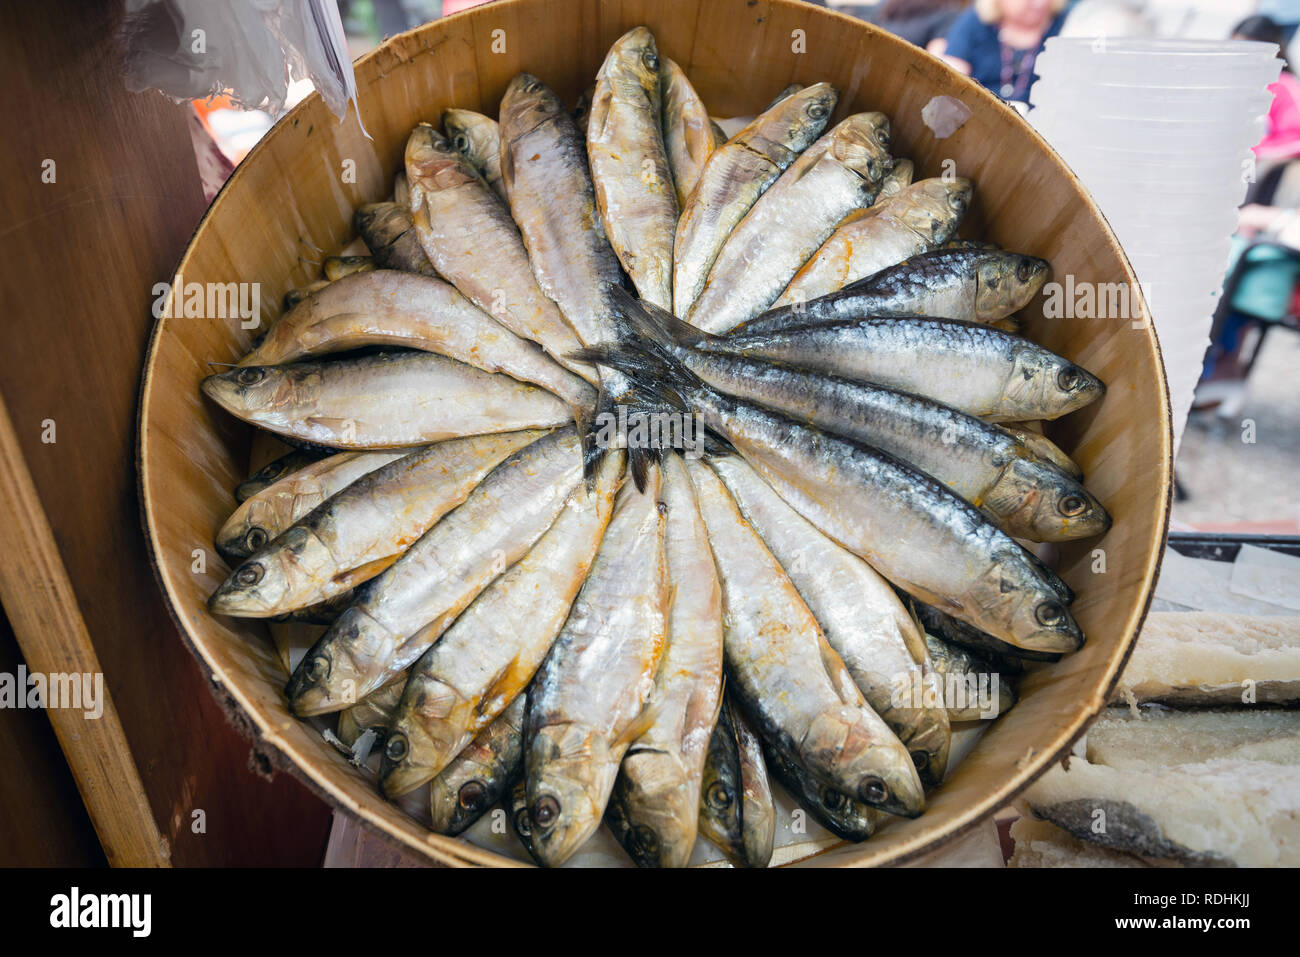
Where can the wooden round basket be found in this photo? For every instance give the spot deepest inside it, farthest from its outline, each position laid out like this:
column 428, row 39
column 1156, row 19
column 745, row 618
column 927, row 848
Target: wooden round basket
column 293, row 198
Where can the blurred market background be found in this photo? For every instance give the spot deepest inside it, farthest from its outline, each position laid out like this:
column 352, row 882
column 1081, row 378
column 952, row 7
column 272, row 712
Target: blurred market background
column 1240, row 454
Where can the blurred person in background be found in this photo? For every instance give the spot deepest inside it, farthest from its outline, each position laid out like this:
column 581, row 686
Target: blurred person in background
column 924, row 23
column 997, row 41
column 1282, row 141
column 1262, row 286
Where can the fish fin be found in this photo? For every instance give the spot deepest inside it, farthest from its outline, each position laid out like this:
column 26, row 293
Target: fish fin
column 639, row 463
column 644, row 721
column 507, row 168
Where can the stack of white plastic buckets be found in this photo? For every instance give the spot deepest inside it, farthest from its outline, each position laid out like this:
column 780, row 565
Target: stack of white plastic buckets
column 1160, row 132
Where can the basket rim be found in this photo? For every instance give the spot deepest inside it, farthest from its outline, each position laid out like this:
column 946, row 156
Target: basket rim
column 456, row 852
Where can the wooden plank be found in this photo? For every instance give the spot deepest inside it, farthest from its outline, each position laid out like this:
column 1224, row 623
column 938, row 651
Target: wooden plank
column 79, row 258
column 40, row 602
column 52, row 827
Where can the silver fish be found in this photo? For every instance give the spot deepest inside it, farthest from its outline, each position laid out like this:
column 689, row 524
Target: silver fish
column 655, row 805
column 837, row 175
column 629, row 165
column 399, row 614
column 974, row 285
column 688, row 131
column 389, row 308
column 389, row 234
column 490, row 653
column 271, row 510
column 481, row 774
column 383, row 401
column 917, row 219
column 585, row 705
column 757, row 806
column 862, row 618
column 870, row 503
column 359, row 532
column 788, row 678
column 478, row 139
column 733, row 179
column 963, row 674
column 468, row 235
column 971, row 367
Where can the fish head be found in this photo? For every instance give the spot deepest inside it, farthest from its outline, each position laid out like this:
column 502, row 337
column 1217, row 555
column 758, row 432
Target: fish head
column 432, row 163
column 384, row 221
column 1038, row 501
column 662, row 831
column 251, row 390
column 1035, row 611
column 866, row 765
column 570, row 776
column 861, row 143
column 430, row 725
column 527, row 104
column 933, row 208
column 1006, row 282
column 635, row 55
column 275, row 580
column 456, row 804
column 467, row 131
column 721, row 792
column 248, row 530
column 344, row 666
column 799, row 119
column 929, row 744
column 1041, row 381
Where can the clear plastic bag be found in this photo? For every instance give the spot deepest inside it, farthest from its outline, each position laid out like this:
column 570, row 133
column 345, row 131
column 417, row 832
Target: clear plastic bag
column 251, row 49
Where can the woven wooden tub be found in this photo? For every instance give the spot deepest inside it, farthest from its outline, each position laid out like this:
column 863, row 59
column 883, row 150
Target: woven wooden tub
column 290, row 199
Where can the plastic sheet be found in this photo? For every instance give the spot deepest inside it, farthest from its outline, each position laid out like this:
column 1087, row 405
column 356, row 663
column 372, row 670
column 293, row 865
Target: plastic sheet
column 251, row 49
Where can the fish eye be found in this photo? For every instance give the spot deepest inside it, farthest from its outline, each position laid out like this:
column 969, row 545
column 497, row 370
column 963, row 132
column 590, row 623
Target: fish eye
column 935, row 225
column 397, row 747
column 817, row 111
column 873, row 171
column 882, row 137
column 250, row 376
column 645, row 840
column 461, row 142
column 651, row 59
column 1072, row 505
column 471, row 795
column 834, row 800
column 1069, row 380
column 533, row 86
column 255, row 538
column 872, row 790
column 523, row 823
column 1049, row 613
column 546, row 811
column 250, row 574
column 1025, row 270
column 719, row 796
column 318, row 668
column 920, row 759
column 957, row 201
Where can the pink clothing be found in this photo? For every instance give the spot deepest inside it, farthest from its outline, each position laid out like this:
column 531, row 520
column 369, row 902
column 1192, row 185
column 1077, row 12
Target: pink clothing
column 1282, row 141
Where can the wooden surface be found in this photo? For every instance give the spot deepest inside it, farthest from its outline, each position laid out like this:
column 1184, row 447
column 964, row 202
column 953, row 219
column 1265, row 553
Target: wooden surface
column 78, row 262
column 38, row 596
column 46, row 823
column 288, row 200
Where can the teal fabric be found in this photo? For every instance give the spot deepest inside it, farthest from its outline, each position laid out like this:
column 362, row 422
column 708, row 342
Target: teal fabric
column 1268, row 283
